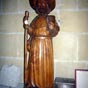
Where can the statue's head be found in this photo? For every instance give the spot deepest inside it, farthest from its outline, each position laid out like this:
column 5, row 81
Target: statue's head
column 42, row 6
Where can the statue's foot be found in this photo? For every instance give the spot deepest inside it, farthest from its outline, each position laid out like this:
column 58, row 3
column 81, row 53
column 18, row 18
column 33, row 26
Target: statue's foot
column 28, row 85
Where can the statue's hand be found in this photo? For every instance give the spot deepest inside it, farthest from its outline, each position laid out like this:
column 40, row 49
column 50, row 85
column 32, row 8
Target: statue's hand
column 51, row 26
column 53, row 29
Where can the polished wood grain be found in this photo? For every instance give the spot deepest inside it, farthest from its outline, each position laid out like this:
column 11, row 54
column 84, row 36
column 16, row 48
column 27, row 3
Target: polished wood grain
column 38, row 48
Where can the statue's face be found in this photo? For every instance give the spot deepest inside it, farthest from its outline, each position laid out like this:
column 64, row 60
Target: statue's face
column 42, row 6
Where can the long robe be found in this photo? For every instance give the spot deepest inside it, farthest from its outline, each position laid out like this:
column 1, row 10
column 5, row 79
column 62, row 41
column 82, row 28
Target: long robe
column 41, row 73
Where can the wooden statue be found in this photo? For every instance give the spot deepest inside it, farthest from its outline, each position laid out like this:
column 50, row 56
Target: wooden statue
column 38, row 51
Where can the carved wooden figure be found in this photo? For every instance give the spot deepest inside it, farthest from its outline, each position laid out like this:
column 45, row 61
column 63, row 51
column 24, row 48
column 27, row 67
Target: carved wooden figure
column 38, row 50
